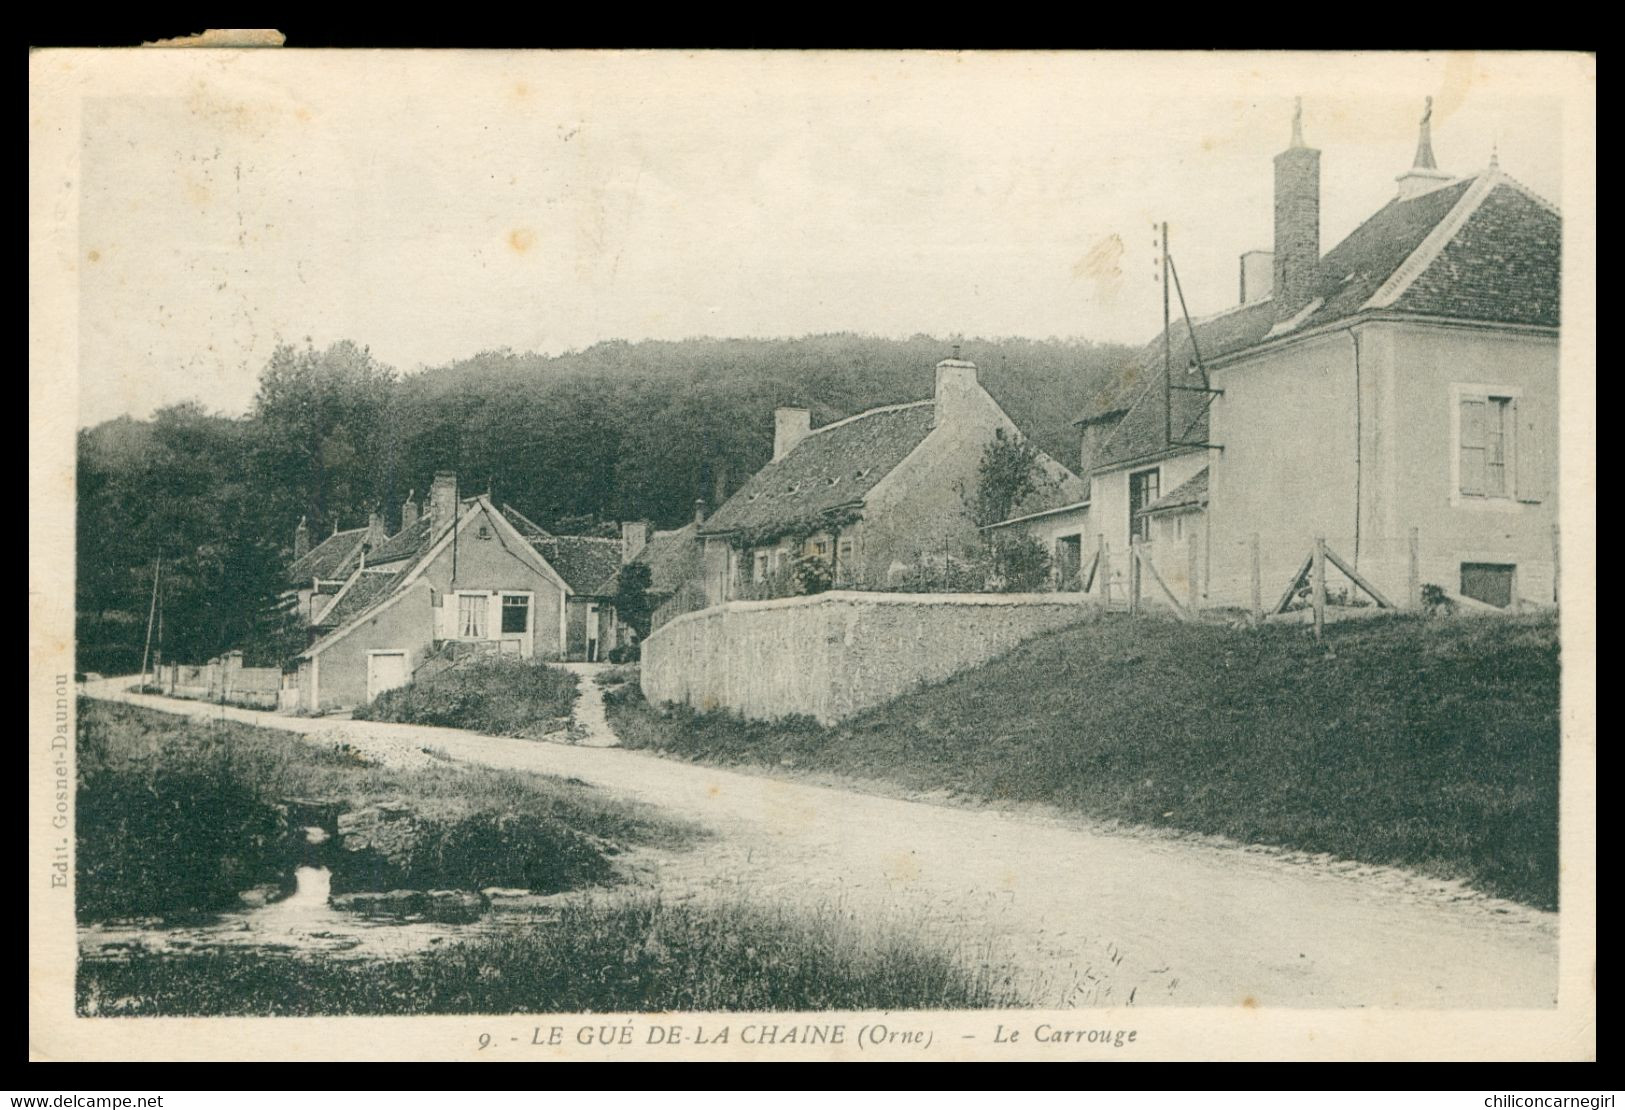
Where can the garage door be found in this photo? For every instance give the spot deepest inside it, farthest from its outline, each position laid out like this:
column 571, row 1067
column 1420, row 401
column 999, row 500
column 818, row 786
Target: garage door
column 385, row 671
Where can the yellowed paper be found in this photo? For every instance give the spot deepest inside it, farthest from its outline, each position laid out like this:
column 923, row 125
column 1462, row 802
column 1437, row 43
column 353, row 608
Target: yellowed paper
column 191, row 210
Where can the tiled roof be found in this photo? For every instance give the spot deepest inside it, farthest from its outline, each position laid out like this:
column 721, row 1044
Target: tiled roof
column 673, row 559
column 1058, row 489
column 835, row 465
column 408, row 543
column 369, row 586
column 587, row 563
column 327, row 559
column 1192, row 491
column 524, row 525
column 1502, row 264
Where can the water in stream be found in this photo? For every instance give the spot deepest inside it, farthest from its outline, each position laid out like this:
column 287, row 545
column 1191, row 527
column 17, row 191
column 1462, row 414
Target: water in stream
column 302, row 921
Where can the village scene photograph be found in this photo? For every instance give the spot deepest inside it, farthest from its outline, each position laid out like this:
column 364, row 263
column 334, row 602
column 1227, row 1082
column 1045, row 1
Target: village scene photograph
column 791, row 533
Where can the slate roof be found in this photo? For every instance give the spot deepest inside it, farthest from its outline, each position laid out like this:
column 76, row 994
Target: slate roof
column 328, row 559
column 1191, row 492
column 1501, row 264
column 835, row 465
column 587, row 563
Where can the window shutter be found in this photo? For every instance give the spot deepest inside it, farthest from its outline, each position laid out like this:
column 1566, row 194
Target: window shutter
column 1472, row 444
column 1532, row 449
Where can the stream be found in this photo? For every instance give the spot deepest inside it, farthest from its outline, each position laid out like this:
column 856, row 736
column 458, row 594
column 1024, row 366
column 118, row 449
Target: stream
column 301, row 921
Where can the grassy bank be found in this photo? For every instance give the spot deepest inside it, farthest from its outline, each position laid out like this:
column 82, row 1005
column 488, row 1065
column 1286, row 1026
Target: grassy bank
column 619, row 955
column 1429, row 744
column 498, row 696
column 176, row 817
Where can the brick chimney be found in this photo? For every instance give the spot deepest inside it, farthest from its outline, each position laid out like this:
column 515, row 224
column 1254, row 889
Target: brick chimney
column 791, row 425
column 634, row 535
column 301, row 539
column 699, row 511
column 956, row 386
column 376, row 533
column 409, row 510
column 443, row 498
column 1297, row 222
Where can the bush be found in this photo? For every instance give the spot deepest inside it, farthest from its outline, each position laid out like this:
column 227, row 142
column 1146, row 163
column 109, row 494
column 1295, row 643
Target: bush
column 813, row 574
column 626, row 653
column 499, row 696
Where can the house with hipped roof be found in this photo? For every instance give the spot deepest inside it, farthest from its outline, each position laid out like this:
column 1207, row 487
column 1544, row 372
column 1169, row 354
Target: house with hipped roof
column 1397, row 390
column 462, row 576
column 876, row 496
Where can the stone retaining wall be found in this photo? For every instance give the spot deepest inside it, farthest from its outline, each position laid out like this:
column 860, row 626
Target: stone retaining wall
column 834, row 654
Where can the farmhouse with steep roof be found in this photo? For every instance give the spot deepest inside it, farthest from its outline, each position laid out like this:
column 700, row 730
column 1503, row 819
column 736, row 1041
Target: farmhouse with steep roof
column 875, row 495
column 463, row 576
column 1405, row 380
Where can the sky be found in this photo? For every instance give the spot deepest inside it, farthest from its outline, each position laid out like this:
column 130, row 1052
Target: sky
column 434, row 205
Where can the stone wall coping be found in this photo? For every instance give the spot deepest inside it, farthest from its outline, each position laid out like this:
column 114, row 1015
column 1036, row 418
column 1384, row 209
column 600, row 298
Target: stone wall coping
column 875, row 597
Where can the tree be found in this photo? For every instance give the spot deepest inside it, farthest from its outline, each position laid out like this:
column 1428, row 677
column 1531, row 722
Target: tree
column 1008, row 472
column 632, row 597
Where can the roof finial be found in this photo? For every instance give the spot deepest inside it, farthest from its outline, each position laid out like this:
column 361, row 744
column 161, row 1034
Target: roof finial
column 1297, row 121
column 1424, row 144
column 1495, row 154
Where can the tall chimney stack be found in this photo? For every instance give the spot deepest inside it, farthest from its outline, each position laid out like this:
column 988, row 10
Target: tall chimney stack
column 1297, row 222
column 956, row 385
column 376, row 532
column 699, row 511
column 409, row 510
column 443, row 498
column 301, row 539
column 791, row 425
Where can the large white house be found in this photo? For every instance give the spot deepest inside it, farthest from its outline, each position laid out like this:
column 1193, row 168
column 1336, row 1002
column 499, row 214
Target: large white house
column 1396, row 393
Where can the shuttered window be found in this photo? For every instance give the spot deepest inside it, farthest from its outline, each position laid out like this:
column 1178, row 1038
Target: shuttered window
column 1487, row 445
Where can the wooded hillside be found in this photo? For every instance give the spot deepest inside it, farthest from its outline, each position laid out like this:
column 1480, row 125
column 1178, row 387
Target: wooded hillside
column 619, row 431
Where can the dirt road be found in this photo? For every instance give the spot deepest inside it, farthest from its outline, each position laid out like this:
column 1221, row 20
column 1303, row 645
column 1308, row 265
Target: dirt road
column 1091, row 917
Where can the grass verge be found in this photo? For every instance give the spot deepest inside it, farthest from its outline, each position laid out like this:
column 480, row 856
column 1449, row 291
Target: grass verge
column 498, row 697
column 176, row 817
column 1424, row 743
column 635, row 954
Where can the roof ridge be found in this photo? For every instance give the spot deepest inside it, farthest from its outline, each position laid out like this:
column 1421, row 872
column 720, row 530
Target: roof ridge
column 1433, row 243
column 869, row 412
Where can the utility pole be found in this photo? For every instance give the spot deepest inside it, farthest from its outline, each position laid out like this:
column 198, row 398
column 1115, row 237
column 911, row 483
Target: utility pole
column 152, row 613
column 1167, row 350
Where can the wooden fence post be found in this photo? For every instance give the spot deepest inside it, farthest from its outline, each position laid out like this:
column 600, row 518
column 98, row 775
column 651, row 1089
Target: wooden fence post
column 1258, row 586
column 1415, row 581
column 1319, row 581
column 1193, row 586
column 1136, row 553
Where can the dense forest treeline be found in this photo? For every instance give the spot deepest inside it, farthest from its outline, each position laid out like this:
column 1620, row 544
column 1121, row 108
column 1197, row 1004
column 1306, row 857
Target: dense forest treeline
column 619, row 431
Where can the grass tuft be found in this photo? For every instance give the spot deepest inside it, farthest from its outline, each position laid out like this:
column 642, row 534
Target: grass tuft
column 1425, row 743
column 498, row 696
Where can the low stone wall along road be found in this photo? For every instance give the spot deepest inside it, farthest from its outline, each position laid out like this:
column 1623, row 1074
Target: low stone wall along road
column 1087, row 916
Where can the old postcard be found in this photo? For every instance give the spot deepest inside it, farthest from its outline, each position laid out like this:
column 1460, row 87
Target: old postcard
column 811, row 555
